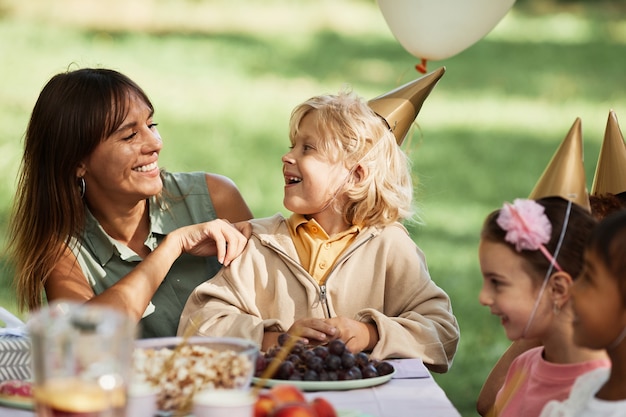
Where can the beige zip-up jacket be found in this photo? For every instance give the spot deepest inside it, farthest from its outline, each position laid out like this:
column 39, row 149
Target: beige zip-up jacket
column 381, row 278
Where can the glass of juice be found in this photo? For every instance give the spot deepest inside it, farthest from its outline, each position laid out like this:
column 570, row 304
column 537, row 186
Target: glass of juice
column 81, row 358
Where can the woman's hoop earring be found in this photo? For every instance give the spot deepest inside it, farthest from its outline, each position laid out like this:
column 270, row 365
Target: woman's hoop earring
column 82, row 186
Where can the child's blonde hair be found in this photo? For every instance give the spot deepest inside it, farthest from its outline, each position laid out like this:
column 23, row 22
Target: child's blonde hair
column 353, row 133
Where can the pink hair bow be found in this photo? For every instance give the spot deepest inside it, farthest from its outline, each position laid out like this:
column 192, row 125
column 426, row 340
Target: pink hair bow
column 527, row 226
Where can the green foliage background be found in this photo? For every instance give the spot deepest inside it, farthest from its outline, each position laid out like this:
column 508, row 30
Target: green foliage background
column 225, row 74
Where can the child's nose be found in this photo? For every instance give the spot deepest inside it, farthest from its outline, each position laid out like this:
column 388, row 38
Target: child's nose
column 287, row 158
column 484, row 297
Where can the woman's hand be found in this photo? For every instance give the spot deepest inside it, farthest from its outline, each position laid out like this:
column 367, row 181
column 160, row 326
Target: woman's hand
column 133, row 292
column 215, row 238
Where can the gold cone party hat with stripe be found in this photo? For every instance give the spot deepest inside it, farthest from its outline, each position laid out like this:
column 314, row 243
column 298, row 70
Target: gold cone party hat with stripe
column 610, row 175
column 400, row 106
column 565, row 174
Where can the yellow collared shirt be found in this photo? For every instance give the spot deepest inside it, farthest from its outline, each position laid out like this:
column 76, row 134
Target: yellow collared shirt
column 317, row 251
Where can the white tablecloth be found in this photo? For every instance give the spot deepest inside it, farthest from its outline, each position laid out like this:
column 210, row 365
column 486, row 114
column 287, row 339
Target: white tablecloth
column 411, row 392
column 14, row 412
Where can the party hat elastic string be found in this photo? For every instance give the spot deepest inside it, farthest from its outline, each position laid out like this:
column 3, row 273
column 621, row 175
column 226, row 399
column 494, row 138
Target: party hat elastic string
column 618, row 340
column 550, row 268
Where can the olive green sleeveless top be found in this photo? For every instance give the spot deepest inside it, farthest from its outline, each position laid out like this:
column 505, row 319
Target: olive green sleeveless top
column 105, row 261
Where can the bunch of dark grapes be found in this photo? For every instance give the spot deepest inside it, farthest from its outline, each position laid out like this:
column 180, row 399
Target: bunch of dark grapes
column 331, row 362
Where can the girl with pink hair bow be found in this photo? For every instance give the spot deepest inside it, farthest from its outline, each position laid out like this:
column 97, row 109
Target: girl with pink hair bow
column 530, row 253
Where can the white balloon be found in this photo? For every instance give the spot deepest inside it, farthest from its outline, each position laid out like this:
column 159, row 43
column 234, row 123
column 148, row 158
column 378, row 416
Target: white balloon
column 438, row 29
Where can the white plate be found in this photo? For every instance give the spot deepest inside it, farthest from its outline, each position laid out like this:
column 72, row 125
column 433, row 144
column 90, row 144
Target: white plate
column 340, row 413
column 328, row 385
column 14, row 401
column 351, row 413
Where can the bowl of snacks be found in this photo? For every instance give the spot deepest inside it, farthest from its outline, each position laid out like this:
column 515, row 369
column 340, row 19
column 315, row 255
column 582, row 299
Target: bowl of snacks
column 180, row 368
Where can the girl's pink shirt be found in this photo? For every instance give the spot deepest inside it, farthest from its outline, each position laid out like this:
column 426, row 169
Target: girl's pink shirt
column 534, row 381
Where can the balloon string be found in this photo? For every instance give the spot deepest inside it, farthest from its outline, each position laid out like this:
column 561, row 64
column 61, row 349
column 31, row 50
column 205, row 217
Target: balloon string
column 421, row 67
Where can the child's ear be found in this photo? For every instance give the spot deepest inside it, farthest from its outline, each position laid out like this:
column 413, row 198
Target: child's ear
column 560, row 283
column 358, row 174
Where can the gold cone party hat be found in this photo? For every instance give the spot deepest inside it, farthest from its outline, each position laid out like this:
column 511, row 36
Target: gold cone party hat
column 610, row 175
column 565, row 174
column 400, row 106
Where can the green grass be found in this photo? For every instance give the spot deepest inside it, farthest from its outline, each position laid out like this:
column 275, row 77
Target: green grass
column 224, row 76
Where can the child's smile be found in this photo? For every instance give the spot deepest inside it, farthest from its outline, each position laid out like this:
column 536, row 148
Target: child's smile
column 313, row 181
column 290, row 179
column 507, row 290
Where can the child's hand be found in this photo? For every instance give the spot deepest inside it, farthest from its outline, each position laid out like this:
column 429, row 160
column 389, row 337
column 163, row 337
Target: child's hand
column 313, row 331
column 356, row 335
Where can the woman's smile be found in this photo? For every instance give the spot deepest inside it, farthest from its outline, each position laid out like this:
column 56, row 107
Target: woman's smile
column 146, row 168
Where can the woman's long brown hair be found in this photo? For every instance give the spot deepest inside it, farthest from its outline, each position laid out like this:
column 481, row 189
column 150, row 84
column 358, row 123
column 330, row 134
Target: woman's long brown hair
column 75, row 111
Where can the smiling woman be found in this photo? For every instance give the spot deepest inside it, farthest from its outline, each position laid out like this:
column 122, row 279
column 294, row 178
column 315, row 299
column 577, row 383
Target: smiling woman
column 110, row 227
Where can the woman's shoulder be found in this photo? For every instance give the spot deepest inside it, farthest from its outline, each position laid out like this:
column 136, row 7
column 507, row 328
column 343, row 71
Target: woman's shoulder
column 185, row 200
column 177, row 185
column 184, row 182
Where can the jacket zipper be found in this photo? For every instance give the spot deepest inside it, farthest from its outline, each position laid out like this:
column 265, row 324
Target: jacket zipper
column 323, row 296
column 323, row 299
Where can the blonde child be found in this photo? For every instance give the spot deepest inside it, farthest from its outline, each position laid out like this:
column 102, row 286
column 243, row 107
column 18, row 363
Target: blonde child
column 341, row 266
column 530, row 252
column 599, row 301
